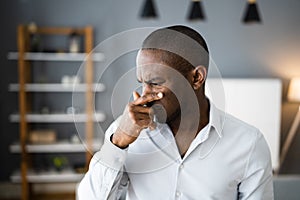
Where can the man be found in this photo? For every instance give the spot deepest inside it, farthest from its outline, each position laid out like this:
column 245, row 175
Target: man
column 171, row 141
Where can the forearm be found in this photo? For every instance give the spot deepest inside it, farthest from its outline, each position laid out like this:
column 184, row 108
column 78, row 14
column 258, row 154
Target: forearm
column 102, row 181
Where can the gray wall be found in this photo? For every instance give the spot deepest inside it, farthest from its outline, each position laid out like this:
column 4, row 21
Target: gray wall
column 262, row 51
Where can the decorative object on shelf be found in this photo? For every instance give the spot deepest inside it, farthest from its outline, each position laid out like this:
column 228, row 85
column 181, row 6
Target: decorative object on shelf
column 251, row 13
column 293, row 96
column 79, row 168
column 148, row 9
column 60, row 162
column 35, row 39
column 196, row 12
column 45, row 110
column 72, row 110
column 74, row 45
column 65, row 80
column 74, row 139
column 42, row 136
column 69, row 80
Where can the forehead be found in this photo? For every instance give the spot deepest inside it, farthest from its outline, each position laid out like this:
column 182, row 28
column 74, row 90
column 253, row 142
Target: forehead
column 152, row 63
column 148, row 57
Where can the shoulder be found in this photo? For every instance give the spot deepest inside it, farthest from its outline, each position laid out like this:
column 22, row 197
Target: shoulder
column 245, row 136
column 241, row 135
column 232, row 126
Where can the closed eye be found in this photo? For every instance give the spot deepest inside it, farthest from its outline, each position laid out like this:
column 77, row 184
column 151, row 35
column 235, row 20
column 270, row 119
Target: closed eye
column 156, row 82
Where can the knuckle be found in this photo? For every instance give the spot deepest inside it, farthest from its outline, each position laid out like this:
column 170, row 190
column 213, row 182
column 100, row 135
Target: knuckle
column 131, row 115
column 130, row 108
column 134, row 121
column 144, row 98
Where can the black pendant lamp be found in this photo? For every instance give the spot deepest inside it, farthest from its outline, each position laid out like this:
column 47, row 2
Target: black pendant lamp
column 251, row 13
column 148, row 9
column 196, row 11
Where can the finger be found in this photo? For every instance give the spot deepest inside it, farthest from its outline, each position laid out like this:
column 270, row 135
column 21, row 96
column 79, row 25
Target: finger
column 144, row 123
column 140, row 112
column 140, row 109
column 142, row 116
column 135, row 95
column 148, row 98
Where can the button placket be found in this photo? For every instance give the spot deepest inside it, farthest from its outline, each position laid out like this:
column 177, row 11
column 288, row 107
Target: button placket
column 181, row 166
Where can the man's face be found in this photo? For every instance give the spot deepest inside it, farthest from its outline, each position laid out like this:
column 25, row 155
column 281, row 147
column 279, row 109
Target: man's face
column 157, row 76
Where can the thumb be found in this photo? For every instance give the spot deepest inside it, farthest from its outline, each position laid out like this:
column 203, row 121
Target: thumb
column 135, row 95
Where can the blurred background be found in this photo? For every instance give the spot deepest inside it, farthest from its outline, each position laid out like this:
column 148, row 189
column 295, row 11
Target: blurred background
column 267, row 49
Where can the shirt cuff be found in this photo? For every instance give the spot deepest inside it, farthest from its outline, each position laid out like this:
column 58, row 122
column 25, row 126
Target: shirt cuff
column 110, row 155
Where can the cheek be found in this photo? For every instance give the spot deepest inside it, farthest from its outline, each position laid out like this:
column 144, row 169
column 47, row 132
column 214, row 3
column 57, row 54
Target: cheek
column 166, row 107
column 170, row 101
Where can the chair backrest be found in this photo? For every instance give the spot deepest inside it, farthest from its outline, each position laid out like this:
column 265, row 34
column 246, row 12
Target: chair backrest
column 255, row 101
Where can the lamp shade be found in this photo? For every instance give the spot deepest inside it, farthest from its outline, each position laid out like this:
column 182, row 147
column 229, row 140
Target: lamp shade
column 196, row 11
column 294, row 90
column 251, row 13
column 148, row 10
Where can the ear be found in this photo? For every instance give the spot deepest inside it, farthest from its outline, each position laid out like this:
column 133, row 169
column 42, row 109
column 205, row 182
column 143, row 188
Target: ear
column 199, row 76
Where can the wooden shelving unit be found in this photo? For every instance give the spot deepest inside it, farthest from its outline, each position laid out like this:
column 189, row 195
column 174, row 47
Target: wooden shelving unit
column 25, row 116
column 58, row 118
column 44, row 56
column 56, row 87
column 47, row 177
column 58, row 147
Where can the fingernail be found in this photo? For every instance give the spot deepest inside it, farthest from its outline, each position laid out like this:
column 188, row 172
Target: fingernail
column 160, row 95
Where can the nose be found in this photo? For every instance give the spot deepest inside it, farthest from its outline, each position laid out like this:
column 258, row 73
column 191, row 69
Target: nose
column 147, row 89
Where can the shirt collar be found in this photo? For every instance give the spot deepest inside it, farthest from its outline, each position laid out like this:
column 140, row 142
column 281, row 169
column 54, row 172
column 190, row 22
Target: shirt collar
column 216, row 119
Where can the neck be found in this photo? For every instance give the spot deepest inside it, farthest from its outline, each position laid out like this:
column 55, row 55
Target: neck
column 186, row 127
column 184, row 122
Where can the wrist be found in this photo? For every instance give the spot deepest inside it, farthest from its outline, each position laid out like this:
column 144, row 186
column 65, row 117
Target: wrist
column 118, row 142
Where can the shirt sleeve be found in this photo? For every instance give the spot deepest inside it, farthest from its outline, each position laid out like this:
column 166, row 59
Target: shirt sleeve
column 105, row 178
column 257, row 182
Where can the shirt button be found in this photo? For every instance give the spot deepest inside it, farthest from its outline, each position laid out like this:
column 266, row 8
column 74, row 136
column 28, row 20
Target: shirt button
column 181, row 166
column 119, row 159
column 177, row 194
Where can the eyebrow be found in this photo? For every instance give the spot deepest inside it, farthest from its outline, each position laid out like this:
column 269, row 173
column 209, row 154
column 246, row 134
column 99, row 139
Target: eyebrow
column 153, row 80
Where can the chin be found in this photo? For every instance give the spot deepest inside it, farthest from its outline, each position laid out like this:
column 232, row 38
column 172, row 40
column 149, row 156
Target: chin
column 159, row 113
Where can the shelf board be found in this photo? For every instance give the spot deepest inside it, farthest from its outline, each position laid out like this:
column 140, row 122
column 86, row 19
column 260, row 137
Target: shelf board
column 48, row 177
column 59, row 147
column 44, row 56
column 58, row 118
column 56, row 87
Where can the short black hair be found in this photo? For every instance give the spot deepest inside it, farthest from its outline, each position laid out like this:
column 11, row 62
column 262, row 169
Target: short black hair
column 168, row 38
column 191, row 33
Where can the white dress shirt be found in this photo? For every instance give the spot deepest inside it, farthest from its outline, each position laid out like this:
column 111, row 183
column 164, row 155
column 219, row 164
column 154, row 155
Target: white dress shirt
column 227, row 160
